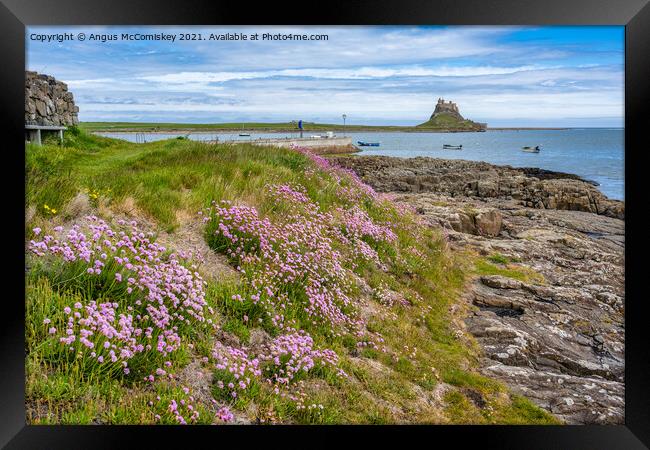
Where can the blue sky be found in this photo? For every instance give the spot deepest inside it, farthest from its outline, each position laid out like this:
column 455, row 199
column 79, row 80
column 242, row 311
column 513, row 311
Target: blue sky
column 505, row 76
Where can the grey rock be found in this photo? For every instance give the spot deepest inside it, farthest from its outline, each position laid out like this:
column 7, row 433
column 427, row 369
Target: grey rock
column 554, row 190
column 499, row 282
column 557, row 338
column 488, row 223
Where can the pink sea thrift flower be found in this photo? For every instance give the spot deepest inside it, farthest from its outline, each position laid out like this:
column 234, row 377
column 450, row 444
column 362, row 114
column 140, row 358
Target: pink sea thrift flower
column 225, row 415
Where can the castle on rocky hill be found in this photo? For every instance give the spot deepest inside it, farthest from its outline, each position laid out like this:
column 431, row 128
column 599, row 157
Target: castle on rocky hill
column 446, row 117
column 449, row 107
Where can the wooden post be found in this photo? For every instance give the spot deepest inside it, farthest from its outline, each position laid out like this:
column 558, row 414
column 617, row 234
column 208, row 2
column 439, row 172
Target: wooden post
column 61, row 136
column 38, row 137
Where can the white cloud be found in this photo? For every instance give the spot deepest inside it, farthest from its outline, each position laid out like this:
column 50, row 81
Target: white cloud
column 386, row 74
column 350, row 73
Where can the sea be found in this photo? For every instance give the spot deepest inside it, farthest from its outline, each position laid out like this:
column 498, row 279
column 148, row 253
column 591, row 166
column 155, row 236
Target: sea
column 595, row 154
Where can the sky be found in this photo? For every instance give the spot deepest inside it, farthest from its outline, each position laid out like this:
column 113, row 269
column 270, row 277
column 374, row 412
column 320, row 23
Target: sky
column 378, row 75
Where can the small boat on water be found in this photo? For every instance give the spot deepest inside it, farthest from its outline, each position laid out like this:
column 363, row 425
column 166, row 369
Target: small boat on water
column 368, row 144
column 452, row 147
column 243, row 133
column 535, row 149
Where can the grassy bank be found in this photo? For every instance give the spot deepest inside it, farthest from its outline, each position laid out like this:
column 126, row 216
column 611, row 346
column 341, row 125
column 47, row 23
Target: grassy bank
column 183, row 282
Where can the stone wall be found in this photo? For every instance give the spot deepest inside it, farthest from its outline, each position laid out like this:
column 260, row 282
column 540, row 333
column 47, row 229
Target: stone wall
column 304, row 142
column 48, row 102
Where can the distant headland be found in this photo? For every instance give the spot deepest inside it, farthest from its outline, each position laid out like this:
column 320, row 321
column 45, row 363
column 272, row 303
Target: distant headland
column 446, row 116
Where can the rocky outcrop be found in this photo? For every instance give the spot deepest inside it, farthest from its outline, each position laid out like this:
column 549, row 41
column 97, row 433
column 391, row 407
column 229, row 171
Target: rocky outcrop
column 478, row 221
column 554, row 334
column 48, row 101
column 534, row 188
column 560, row 341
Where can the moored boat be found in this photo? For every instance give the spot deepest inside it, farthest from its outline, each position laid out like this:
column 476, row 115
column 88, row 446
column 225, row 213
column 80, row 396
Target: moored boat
column 368, row 144
column 452, row 147
column 535, row 149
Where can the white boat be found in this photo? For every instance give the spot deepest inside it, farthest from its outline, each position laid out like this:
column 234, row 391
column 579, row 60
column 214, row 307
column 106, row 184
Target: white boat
column 242, row 131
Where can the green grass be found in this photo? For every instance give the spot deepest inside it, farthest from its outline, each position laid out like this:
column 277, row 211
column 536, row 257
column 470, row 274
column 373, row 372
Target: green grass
column 503, row 260
column 167, row 183
column 505, row 269
column 498, row 258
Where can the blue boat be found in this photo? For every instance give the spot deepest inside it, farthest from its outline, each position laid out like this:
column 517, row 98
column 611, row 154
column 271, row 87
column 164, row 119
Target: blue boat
column 368, row 144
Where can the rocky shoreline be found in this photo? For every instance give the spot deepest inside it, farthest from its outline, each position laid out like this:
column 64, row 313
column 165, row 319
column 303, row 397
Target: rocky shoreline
column 559, row 338
column 535, row 188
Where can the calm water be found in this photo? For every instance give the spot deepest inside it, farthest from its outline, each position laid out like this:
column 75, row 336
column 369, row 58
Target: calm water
column 596, row 154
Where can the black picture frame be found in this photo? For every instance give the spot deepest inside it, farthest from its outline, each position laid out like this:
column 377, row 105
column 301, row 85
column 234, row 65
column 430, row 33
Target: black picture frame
column 633, row 14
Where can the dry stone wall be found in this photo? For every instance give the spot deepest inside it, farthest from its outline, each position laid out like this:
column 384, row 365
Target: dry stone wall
column 48, row 101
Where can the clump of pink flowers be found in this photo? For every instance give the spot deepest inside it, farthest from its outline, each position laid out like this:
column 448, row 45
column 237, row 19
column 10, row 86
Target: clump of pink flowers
column 387, row 297
column 225, row 415
column 279, row 363
column 182, row 407
column 359, row 231
column 299, row 255
column 162, row 294
column 296, row 255
column 351, row 186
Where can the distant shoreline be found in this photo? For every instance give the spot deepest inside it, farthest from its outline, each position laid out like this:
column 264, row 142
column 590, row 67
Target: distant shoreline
column 527, row 128
column 311, row 128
